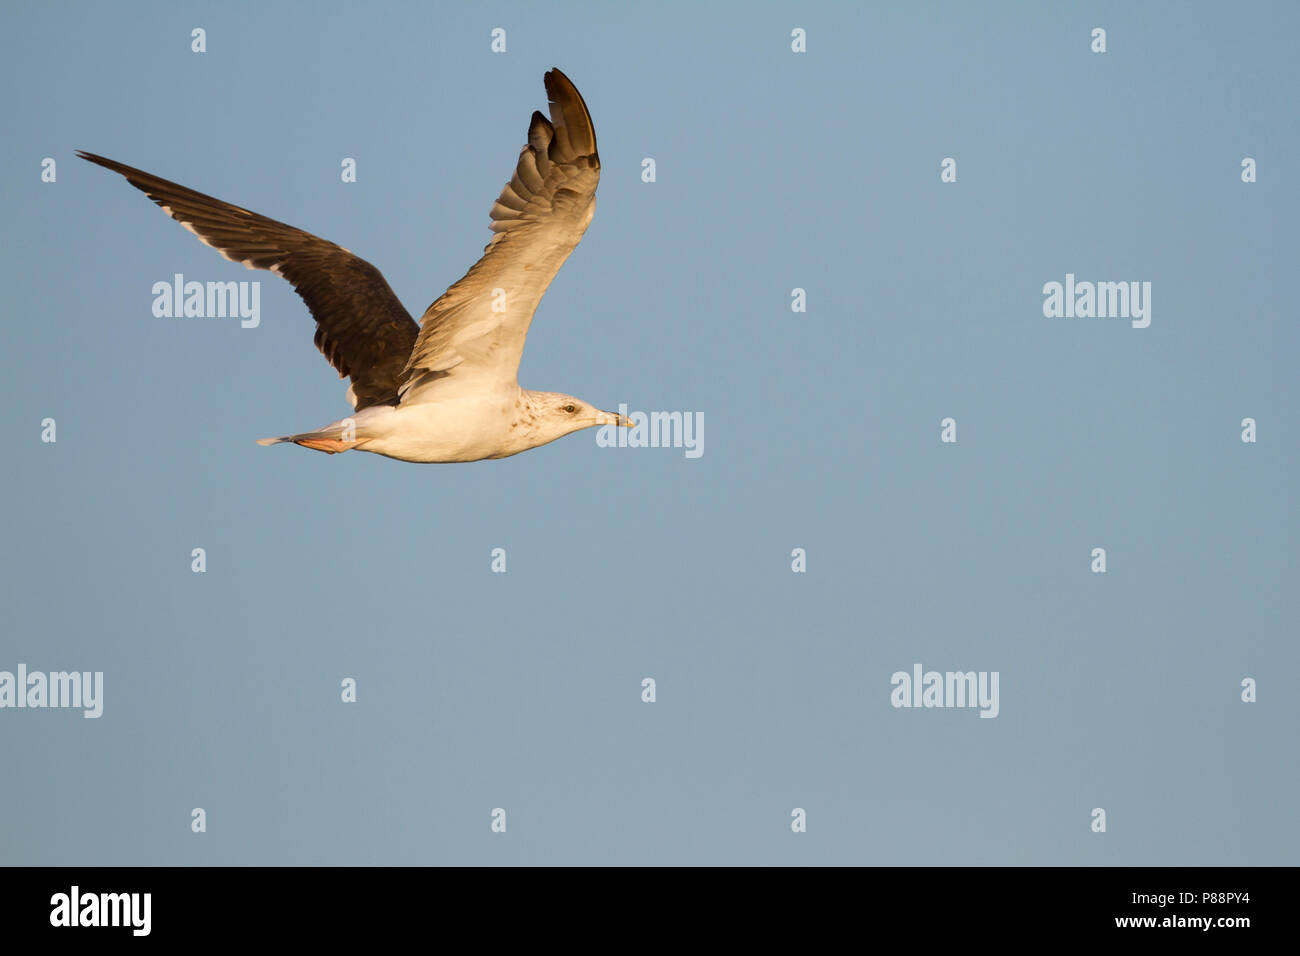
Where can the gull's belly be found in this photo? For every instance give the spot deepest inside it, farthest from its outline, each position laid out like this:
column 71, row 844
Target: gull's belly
column 457, row 429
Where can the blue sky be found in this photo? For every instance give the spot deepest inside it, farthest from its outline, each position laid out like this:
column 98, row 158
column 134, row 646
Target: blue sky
column 522, row 690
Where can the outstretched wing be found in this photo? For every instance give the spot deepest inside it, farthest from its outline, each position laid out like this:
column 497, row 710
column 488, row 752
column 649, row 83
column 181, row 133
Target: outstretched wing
column 477, row 328
column 361, row 327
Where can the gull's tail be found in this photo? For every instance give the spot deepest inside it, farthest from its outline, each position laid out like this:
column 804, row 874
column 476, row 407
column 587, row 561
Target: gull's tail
column 330, row 439
column 355, row 431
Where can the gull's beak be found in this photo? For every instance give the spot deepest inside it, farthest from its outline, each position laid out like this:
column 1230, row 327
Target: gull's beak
column 613, row 418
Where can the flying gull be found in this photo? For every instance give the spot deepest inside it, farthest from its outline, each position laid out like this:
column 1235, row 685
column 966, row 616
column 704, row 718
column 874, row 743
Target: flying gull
column 444, row 390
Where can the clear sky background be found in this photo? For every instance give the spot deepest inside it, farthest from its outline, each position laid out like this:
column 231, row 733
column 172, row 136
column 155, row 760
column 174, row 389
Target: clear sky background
column 522, row 690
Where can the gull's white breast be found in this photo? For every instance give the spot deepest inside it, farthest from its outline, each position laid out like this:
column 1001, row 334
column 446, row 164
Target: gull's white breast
column 461, row 428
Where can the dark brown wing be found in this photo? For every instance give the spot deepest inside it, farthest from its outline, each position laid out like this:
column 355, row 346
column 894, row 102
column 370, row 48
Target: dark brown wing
column 361, row 327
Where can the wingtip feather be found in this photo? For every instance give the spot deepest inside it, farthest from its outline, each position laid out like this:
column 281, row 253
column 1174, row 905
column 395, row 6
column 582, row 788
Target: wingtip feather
column 569, row 115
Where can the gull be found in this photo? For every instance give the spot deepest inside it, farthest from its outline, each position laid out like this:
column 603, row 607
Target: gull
column 445, row 390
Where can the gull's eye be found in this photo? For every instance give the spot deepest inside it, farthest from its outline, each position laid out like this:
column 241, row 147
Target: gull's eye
column 570, row 408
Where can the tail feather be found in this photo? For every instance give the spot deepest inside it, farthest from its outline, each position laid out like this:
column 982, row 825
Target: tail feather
column 355, row 431
column 328, row 441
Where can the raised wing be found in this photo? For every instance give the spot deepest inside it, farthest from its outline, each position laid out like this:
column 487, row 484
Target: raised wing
column 478, row 327
column 361, row 327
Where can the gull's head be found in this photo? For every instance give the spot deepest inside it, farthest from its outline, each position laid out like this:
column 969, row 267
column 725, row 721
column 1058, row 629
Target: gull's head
column 577, row 414
column 555, row 415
